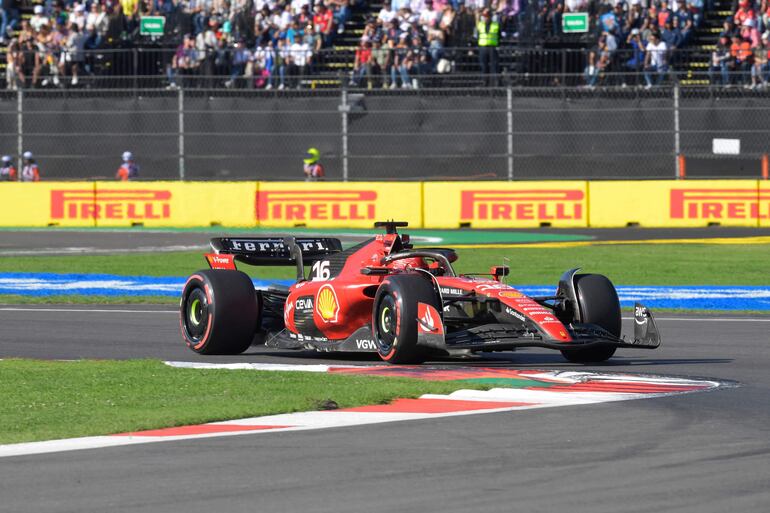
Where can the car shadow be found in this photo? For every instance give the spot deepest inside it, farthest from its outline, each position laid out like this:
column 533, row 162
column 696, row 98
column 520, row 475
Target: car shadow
column 501, row 360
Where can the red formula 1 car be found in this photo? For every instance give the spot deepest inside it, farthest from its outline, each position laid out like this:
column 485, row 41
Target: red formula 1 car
column 406, row 304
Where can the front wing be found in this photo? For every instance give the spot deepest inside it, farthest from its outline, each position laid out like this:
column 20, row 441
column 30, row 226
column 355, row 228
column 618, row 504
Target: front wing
column 501, row 336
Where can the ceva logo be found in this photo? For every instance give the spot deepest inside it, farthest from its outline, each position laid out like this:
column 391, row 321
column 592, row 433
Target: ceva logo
column 334, row 205
column 522, row 205
column 126, row 204
column 720, row 204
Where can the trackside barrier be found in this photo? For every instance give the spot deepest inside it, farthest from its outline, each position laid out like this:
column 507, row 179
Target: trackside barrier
column 125, row 204
column 337, row 204
column 506, row 204
column 684, row 203
column 568, row 204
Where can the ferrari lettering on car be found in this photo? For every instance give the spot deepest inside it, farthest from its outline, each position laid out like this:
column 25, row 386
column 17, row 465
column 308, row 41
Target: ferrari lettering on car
column 404, row 303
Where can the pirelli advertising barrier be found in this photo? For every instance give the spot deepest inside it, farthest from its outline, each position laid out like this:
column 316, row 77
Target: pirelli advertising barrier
column 565, row 204
column 115, row 204
column 505, row 204
column 189, row 204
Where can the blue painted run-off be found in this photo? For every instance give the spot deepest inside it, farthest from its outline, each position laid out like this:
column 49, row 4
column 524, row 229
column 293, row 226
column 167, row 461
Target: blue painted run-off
column 686, row 297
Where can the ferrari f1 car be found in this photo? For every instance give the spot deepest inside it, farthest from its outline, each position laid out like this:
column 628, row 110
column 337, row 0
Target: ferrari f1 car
column 405, row 304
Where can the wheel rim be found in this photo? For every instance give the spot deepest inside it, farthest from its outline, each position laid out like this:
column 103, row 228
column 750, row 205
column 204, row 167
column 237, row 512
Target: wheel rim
column 387, row 323
column 196, row 317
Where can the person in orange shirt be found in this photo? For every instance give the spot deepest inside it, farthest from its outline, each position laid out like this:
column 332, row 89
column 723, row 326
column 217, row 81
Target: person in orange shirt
column 29, row 171
column 128, row 170
column 741, row 53
column 7, row 171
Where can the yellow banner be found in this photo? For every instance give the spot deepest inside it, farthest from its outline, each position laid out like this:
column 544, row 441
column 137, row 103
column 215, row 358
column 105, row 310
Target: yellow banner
column 338, row 205
column 686, row 203
column 179, row 204
column 39, row 204
column 124, row 204
column 505, row 204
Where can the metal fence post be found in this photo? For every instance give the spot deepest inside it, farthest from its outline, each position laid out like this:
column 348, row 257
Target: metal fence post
column 509, row 95
column 20, row 125
column 677, row 150
column 180, row 108
column 344, row 109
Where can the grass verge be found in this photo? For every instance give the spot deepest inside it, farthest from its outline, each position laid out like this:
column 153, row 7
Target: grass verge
column 655, row 264
column 46, row 400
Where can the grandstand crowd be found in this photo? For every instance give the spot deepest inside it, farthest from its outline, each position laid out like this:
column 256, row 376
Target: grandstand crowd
column 273, row 43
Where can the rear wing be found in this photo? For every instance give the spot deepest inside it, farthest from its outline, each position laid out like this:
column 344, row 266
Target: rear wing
column 274, row 250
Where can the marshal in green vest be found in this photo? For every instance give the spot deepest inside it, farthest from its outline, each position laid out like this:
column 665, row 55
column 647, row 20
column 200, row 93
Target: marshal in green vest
column 491, row 37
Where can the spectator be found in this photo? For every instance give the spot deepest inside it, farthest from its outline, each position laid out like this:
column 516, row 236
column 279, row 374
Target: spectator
column 636, row 62
column 720, row 62
column 29, row 171
column 598, row 62
column 185, row 61
column 760, row 70
column 340, row 13
column 386, row 14
column 740, row 52
column 664, row 13
column 97, row 24
column 488, row 31
column 7, row 171
column 241, row 57
column 301, row 56
column 78, row 17
column 72, row 57
column 14, row 67
column 362, row 66
column 380, row 61
column 314, row 171
column 745, row 12
column 323, row 21
column 655, row 60
column 38, row 19
column 750, row 33
column 128, row 170
column 728, row 28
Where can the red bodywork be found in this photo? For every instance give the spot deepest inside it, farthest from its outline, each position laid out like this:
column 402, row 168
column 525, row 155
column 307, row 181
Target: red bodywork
column 343, row 303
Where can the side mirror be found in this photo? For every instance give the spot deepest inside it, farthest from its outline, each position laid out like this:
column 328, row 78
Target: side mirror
column 499, row 271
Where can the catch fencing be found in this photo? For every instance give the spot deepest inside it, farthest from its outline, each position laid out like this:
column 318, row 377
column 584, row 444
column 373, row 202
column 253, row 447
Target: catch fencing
column 504, row 132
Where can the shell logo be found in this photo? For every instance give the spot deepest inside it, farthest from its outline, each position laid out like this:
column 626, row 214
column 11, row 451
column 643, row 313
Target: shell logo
column 511, row 294
column 326, row 304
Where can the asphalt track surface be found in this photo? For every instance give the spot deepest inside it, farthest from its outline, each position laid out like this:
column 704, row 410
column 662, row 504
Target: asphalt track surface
column 68, row 241
column 704, row 452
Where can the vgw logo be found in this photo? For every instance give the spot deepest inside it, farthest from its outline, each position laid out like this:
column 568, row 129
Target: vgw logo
column 110, row 204
column 720, row 204
column 522, row 205
column 316, row 205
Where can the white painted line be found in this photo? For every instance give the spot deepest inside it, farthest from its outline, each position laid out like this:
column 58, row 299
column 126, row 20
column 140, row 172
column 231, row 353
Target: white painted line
column 86, row 310
column 710, row 319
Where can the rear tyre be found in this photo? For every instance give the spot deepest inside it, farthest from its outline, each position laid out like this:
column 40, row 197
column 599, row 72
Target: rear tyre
column 394, row 317
column 219, row 312
column 599, row 304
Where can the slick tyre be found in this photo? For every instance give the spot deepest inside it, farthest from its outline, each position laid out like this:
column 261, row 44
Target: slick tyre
column 599, row 304
column 219, row 312
column 394, row 317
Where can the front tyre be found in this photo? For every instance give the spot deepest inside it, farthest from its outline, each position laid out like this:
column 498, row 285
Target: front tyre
column 394, row 317
column 599, row 304
column 219, row 312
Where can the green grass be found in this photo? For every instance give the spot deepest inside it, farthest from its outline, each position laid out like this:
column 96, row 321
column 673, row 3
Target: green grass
column 655, row 264
column 42, row 400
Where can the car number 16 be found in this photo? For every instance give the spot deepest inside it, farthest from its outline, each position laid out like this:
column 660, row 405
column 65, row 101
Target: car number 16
column 320, row 270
